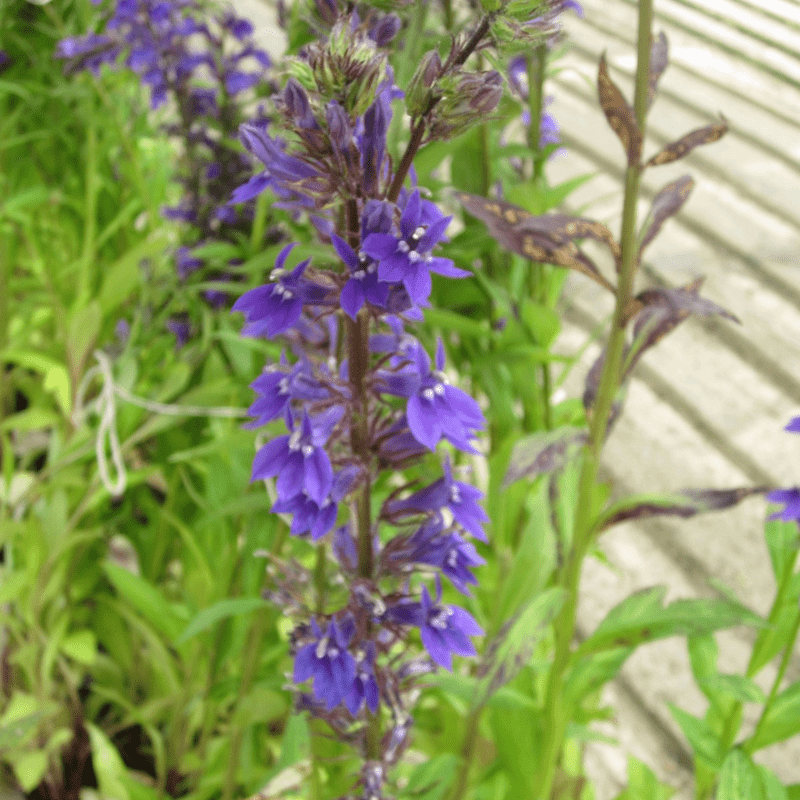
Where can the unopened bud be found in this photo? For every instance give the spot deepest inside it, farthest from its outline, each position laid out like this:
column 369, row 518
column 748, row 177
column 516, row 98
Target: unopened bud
column 385, row 30
column 297, row 105
column 339, row 129
column 419, row 91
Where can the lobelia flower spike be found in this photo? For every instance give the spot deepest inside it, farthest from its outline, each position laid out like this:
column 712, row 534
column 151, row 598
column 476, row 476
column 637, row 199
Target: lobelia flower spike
column 358, row 393
column 205, row 67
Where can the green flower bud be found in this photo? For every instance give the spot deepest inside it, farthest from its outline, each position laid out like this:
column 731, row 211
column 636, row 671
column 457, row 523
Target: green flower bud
column 421, row 89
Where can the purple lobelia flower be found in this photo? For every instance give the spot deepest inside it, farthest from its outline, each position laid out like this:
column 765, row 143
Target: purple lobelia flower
column 201, row 67
column 405, row 257
column 299, row 459
column 328, row 661
column 444, row 629
column 790, row 498
column 276, row 307
column 459, row 498
column 435, row 409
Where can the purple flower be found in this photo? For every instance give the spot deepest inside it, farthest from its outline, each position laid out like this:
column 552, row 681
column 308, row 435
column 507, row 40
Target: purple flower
column 460, row 498
column 288, row 176
column 328, row 662
column 793, row 426
column 435, row 410
column 791, row 497
column 312, row 517
column 446, row 550
column 407, row 258
column 363, row 284
column 299, row 459
column 278, row 385
column 182, row 330
column 444, row 629
column 364, row 688
column 276, row 307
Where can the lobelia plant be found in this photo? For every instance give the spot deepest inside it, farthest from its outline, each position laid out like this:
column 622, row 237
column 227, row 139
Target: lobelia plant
column 207, row 68
column 363, row 403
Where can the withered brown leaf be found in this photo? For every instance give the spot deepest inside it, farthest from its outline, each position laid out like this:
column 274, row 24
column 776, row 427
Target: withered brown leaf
column 679, row 148
column 619, row 114
column 547, row 239
column 659, row 59
column 666, row 203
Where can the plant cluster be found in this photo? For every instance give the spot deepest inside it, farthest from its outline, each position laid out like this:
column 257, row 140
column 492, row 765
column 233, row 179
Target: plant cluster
column 168, row 631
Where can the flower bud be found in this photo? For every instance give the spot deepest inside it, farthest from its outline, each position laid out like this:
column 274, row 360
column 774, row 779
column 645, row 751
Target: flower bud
column 466, row 98
column 420, row 88
column 339, row 128
column 297, row 105
column 383, row 31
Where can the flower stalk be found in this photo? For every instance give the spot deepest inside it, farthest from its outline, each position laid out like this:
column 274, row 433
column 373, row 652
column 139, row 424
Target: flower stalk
column 557, row 703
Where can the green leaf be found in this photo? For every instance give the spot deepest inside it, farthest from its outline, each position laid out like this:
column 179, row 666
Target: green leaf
column 81, row 646
column 56, row 377
column 703, row 654
column 736, row 686
column 739, row 779
column 781, row 720
column 219, row 611
column 146, row 599
column 31, row 419
column 704, row 742
column 124, row 275
column 29, row 769
column 82, row 331
column 782, row 540
column 773, row 787
column 643, row 783
column 527, row 628
column 108, row 765
column 641, row 618
column 432, row 779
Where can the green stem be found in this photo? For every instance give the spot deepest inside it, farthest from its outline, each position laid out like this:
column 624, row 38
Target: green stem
column 536, row 74
column 557, row 704
column 788, row 651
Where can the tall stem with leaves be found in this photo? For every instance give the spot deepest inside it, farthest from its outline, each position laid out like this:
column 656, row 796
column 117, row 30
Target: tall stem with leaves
column 557, row 705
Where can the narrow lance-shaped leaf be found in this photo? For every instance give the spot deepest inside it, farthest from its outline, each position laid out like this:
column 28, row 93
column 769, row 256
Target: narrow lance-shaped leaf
column 546, row 239
column 685, row 503
column 660, row 311
column 659, row 58
column 666, row 203
column 619, row 114
column 679, row 148
column 542, row 453
column 641, row 617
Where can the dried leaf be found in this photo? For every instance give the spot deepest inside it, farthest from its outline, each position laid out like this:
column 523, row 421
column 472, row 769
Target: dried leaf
column 660, row 311
column 678, row 149
column 665, row 204
column 543, row 452
column 619, row 114
column 659, row 58
column 685, row 503
column 547, row 239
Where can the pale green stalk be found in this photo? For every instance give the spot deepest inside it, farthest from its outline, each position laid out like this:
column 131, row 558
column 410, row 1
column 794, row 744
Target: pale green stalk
column 558, row 706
